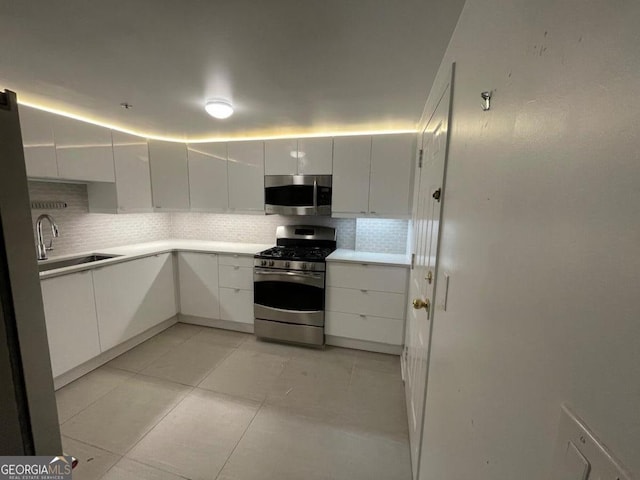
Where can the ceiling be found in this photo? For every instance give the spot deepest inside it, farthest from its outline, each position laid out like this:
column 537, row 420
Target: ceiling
column 290, row 67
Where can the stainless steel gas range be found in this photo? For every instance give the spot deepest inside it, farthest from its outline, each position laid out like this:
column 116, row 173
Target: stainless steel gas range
column 289, row 285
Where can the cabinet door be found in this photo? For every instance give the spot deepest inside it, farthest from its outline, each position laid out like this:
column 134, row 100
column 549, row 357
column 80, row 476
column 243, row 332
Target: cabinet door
column 315, row 156
column 246, row 176
column 70, row 315
column 392, row 159
column 133, row 179
column 133, row 296
column 236, row 305
column 351, row 163
column 84, row 151
column 208, row 183
column 281, row 157
column 169, row 175
column 198, row 274
column 39, row 146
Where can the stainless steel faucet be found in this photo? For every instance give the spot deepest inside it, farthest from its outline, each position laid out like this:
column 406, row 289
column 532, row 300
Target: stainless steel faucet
column 42, row 248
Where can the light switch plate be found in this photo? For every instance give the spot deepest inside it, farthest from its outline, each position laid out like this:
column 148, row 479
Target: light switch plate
column 591, row 456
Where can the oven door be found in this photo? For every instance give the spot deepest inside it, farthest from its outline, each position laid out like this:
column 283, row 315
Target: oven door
column 289, row 296
column 297, row 194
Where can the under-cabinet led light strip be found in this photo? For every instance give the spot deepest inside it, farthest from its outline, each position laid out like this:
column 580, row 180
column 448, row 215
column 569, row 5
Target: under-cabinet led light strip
column 212, row 139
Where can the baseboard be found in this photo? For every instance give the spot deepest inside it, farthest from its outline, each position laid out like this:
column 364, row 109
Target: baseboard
column 363, row 345
column 216, row 323
column 77, row 372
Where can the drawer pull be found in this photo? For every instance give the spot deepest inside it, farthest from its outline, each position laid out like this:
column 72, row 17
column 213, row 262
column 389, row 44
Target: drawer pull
column 363, row 316
column 236, row 267
column 364, row 291
column 237, row 290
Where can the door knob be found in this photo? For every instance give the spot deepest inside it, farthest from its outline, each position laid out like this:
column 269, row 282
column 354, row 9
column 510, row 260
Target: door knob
column 418, row 303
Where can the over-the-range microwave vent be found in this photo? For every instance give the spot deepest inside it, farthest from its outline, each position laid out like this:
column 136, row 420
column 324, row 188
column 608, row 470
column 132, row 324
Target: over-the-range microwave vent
column 298, row 195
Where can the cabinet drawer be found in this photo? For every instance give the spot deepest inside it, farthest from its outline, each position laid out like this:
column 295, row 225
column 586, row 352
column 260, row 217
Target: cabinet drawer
column 234, row 276
column 366, row 276
column 236, row 260
column 236, row 305
column 366, row 302
column 364, row 327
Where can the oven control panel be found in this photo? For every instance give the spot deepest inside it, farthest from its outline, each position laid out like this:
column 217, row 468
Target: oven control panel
column 290, row 265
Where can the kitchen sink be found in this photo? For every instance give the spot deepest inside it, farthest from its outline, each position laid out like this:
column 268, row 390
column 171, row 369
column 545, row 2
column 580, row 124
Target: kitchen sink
column 46, row 265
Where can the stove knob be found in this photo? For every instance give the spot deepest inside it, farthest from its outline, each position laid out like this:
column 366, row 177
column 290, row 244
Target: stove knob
column 287, row 264
column 312, row 266
column 304, row 266
column 272, row 263
column 263, row 263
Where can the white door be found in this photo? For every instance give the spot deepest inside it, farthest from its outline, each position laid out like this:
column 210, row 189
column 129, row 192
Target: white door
column 198, row 275
column 281, row 157
column 169, row 176
column 84, row 151
column 315, row 156
column 351, row 166
column 133, row 179
column 246, row 176
column 39, row 146
column 391, row 168
column 426, row 221
column 208, row 183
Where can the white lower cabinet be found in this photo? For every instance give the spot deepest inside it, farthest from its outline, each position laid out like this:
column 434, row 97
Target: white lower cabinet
column 70, row 315
column 198, row 274
column 365, row 327
column 366, row 302
column 236, row 305
column 133, row 296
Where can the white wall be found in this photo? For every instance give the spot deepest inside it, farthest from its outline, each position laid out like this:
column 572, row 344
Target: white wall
column 541, row 237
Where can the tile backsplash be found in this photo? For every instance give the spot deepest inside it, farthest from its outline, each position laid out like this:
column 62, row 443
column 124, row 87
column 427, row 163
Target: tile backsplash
column 81, row 231
column 252, row 228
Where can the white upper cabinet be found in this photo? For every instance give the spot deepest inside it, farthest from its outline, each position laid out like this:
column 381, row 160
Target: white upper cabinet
column 281, row 157
column 392, row 158
column 208, row 183
column 246, row 176
column 39, row 145
column 351, row 164
column 169, row 175
column 308, row 156
column 133, row 178
column 84, row 151
column 315, row 156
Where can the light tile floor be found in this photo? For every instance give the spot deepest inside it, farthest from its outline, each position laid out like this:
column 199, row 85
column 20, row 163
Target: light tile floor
column 202, row 403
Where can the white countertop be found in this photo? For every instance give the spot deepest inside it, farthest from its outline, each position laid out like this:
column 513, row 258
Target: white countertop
column 353, row 256
column 139, row 250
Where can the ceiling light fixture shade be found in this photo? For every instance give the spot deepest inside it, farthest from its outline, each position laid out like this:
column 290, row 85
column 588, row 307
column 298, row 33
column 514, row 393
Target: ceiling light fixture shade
column 219, row 108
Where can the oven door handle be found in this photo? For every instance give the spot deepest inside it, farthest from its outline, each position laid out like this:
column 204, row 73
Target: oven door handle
column 312, row 279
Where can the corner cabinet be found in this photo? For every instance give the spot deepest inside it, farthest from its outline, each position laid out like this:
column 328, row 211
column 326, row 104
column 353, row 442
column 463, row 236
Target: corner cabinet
column 169, row 176
column 70, row 316
column 38, row 142
column 84, row 151
column 133, row 296
column 246, row 176
column 372, row 176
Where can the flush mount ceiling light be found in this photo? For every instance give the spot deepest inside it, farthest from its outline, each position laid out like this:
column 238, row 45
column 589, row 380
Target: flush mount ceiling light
column 219, row 108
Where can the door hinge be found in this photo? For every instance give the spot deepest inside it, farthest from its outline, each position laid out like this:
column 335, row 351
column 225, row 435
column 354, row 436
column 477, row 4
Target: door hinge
column 420, row 155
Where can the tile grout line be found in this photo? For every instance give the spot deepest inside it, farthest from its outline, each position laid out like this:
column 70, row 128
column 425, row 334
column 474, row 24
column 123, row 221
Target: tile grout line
column 240, row 439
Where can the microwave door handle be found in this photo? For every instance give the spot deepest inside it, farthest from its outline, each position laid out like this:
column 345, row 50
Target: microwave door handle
column 315, row 196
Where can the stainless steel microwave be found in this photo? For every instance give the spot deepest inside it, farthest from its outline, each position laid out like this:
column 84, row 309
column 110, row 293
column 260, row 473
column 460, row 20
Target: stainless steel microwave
column 297, row 194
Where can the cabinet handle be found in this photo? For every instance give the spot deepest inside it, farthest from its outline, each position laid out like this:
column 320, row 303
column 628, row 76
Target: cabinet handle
column 363, row 316
column 362, row 211
column 236, row 267
column 364, row 291
column 236, row 290
column 364, row 264
column 374, row 213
